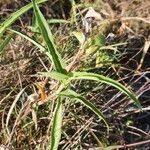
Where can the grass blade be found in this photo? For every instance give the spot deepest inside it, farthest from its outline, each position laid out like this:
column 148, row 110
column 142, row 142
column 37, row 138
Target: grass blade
column 73, row 95
column 42, row 48
column 56, row 126
column 14, row 16
column 80, row 36
column 13, row 105
column 5, row 43
column 55, row 75
column 53, row 21
column 48, row 38
column 109, row 81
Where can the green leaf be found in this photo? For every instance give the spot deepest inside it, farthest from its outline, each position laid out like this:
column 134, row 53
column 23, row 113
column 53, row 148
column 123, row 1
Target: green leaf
column 48, row 38
column 91, row 50
column 100, row 40
column 51, row 21
column 55, row 75
column 56, row 126
column 73, row 95
column 5, row 43
column 42, row 48
column 80, row 36
column 14, row 16
column 109, row 81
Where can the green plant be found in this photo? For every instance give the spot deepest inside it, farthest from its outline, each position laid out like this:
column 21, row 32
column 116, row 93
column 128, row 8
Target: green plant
column 14, row 16
column 65, row 77
column 8, row 22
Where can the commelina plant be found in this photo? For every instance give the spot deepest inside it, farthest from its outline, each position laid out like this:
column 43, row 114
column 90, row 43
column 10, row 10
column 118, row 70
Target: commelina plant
column 60, row 73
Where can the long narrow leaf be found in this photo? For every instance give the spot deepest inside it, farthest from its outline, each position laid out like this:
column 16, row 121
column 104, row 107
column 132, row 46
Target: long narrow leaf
column 73, row 95
column 48, row 38
column 55, row 75
column 13, row 105
column 109, row 81
column 5, row 43
column 14, row 16
column 53, row 21
column 56, row 126
column 42, row 48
